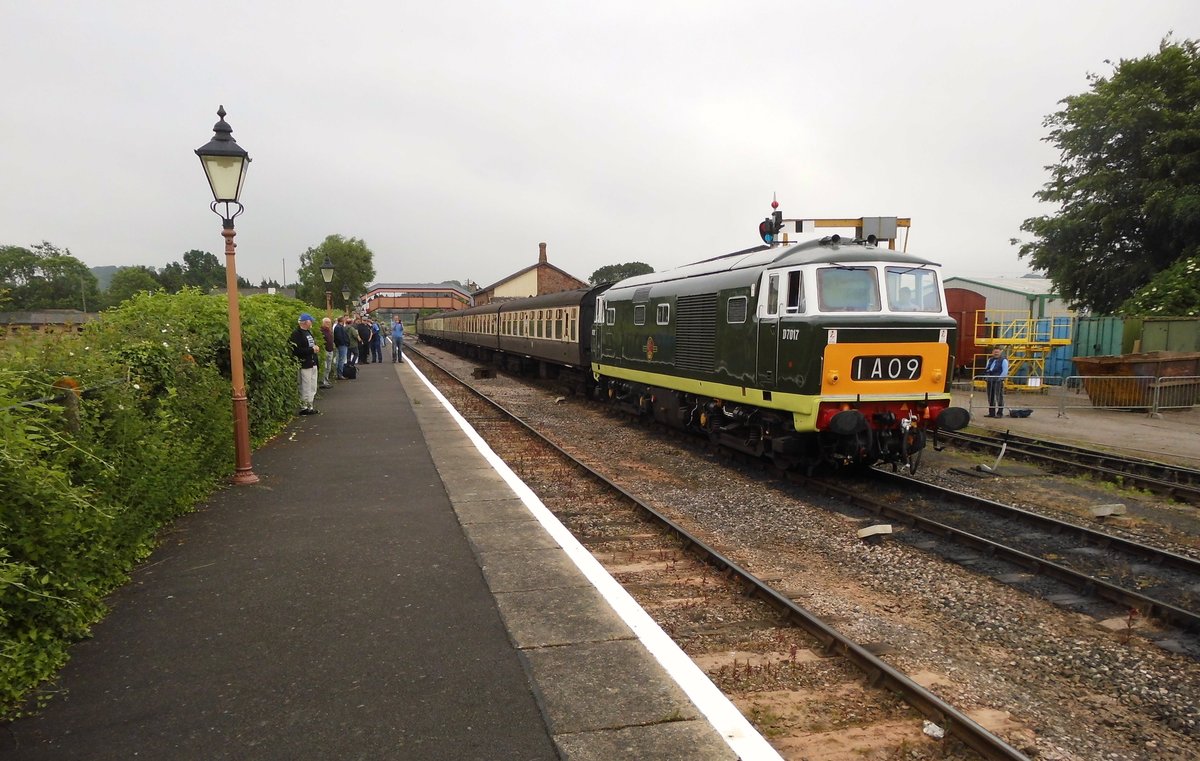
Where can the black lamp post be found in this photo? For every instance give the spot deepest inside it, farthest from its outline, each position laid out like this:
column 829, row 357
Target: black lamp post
column 327, row 276
column 225, row 163
column 346, row 299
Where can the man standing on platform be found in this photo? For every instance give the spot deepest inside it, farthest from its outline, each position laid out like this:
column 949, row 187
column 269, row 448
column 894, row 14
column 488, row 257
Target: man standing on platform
column 330, row 351
column 364, row 340
column 996, row 373
column 304, row 348
column 342, row 341
column 397, row 340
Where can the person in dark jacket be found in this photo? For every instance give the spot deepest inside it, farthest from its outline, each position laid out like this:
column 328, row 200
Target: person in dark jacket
column 342, row 341
column 376, row 342
column 304, row 348
column 364, row 340
column 330, row 351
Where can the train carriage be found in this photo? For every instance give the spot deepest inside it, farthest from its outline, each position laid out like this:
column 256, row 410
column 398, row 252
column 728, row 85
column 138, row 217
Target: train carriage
column 547, row 331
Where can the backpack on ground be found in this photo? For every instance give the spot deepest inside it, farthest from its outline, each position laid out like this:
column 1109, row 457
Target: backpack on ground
column 349, row 372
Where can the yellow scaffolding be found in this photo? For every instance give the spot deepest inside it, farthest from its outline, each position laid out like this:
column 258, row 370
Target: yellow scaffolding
column 1027, row 341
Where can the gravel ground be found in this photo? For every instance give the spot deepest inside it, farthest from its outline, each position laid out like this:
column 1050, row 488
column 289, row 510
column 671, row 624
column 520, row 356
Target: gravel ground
column 1054, row 684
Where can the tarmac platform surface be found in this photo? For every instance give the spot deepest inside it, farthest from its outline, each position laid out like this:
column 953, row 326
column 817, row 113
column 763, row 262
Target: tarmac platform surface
column 381, row 593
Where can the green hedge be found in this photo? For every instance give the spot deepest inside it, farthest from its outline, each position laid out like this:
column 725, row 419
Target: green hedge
column 134, row 428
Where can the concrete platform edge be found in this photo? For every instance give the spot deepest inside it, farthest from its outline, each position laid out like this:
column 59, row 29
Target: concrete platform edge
column 724, row 717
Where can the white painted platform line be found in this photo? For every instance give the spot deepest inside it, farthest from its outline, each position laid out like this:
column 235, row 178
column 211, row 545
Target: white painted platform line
column 738, row 732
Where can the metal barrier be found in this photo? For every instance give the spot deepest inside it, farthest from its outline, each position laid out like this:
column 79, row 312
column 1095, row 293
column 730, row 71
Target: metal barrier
column 1138, row 393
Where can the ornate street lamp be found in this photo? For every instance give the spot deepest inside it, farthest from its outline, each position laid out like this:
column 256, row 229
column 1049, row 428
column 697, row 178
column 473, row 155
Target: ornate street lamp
column 327, row 276
column 224, row 163
column 346, row 298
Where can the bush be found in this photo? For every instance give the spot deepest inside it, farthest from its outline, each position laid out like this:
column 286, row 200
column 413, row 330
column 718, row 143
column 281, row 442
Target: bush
column 106, row 436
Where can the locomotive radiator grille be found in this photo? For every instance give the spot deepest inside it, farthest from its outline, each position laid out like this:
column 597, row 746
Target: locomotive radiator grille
column 696, row 332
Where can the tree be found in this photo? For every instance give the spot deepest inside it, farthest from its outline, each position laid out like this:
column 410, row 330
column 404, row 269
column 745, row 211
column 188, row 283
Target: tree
column 46, row 277
column 129, row 281
column 1127, row 183
column 171, row 277
column 1174, row 292
column 203, row 270
column 613, row 272
column 353, row 268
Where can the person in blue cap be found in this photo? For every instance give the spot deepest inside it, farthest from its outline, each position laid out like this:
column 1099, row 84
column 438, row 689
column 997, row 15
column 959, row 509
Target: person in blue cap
column 304, row 348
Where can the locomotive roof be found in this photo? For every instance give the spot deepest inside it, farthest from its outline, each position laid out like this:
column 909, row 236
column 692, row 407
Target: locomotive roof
column 822, row 251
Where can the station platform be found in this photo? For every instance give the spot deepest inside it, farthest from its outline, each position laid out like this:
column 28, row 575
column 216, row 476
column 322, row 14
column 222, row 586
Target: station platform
column 387, row 590
column 1172, row 437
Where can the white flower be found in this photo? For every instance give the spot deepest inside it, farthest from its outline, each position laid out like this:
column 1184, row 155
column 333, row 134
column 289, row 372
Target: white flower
column 137, row 387
column 166, row 344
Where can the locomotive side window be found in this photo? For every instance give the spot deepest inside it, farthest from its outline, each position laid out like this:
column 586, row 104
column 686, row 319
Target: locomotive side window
column 912, row 289
column 773, row 295
column 639, row 314
column 795, row 293
column 735, row 309
column 599, row 310
column 848, row 289
column 610, row 316
column 664, row 314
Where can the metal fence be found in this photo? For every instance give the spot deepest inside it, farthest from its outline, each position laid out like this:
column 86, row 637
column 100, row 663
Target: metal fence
column 1138, row 393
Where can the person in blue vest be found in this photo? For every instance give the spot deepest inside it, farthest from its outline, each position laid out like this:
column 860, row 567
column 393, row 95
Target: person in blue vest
column 397, row 340
column 996, row 373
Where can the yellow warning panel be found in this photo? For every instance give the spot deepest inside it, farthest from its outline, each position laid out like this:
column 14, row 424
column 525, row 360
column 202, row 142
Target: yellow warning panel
column 885, row 369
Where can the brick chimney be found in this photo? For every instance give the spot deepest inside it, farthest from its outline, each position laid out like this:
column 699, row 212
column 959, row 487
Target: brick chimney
column 541, row 253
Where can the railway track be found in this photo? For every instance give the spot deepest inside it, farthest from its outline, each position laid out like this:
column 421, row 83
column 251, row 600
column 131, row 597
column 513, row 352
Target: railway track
column 631, row 554
column 1155, row 582
column 1171, row 481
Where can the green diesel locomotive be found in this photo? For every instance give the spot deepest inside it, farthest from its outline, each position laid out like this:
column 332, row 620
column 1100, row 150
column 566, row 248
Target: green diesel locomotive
column 831, row 351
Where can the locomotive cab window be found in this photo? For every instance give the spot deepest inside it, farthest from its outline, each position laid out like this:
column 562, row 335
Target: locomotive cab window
column 773, row 295
column 795, row 293
column 610, row 316
column 912, row 289
column 848, row 289
column 639, row 314
column 664, row 314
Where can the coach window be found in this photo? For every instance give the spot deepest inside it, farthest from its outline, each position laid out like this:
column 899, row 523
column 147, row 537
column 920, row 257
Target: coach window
column 664, row 314
column 558, row 324
column 639, row 314
column 572, row 318
column 735, row 309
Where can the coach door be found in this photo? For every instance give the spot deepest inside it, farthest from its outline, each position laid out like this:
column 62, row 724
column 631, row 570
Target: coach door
column 768, row 330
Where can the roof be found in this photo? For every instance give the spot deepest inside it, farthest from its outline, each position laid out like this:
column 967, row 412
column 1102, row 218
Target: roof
column 1025, row 286
column 417, row 287
column 533, row 266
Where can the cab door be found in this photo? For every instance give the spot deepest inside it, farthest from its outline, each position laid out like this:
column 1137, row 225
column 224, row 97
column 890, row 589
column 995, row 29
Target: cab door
column 768, row 331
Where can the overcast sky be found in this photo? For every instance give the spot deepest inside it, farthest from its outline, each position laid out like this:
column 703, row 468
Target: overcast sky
column 453, row 137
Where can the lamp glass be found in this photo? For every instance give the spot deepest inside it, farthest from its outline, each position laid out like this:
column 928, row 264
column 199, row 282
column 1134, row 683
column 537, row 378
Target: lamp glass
column 327, row 271
column 225, row 176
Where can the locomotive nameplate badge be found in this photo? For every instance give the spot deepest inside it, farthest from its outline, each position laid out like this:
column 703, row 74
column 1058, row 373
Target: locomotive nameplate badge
column 832, row 337
column 650, row 348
